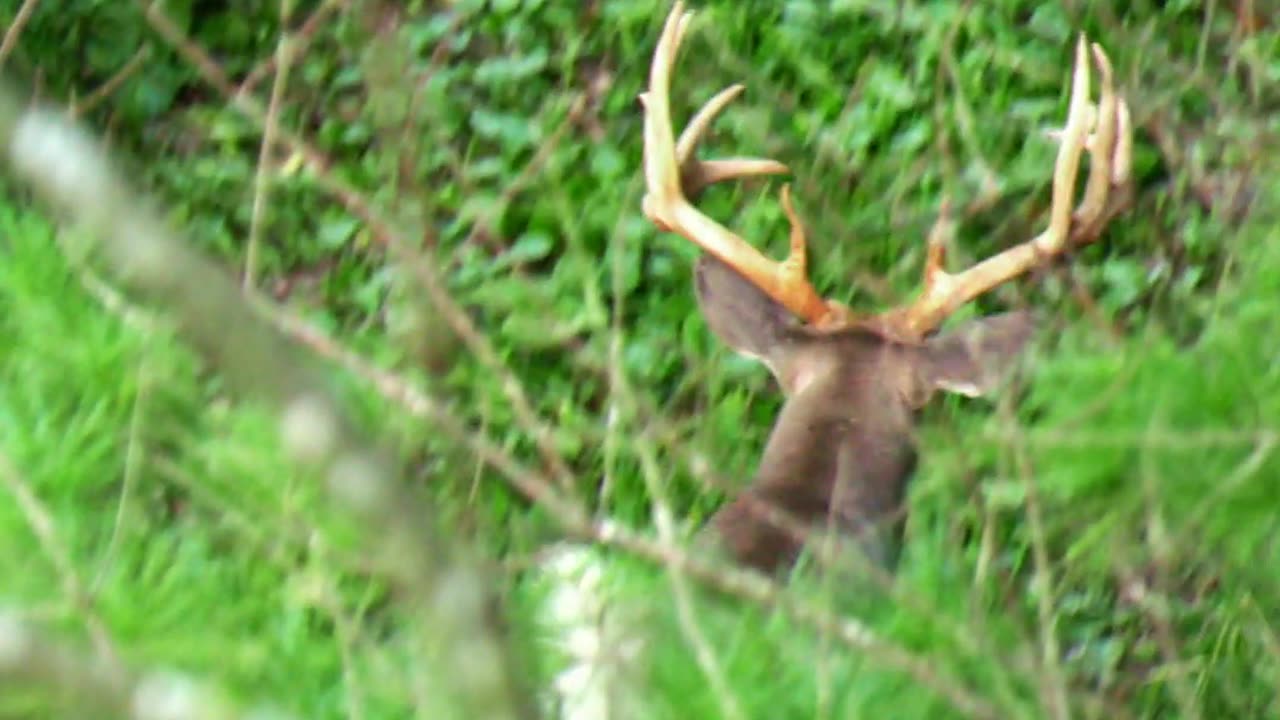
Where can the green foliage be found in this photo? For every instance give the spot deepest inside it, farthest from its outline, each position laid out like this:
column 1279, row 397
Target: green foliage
column 505, row 137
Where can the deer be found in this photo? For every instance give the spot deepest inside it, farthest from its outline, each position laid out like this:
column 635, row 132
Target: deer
column 842, row 449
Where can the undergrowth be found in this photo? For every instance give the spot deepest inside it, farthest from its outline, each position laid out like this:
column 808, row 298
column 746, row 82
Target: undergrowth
column 1099, row 542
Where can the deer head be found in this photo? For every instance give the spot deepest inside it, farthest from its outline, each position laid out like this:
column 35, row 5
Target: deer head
column 842, row 450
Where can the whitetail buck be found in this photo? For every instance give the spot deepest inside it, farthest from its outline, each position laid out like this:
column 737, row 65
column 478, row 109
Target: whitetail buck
column 842, row 450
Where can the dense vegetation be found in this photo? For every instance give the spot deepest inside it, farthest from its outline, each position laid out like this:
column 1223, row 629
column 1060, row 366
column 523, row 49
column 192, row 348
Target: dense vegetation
column 1100, row 542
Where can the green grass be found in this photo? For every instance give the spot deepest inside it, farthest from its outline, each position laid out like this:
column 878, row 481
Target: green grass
column 1103, row 534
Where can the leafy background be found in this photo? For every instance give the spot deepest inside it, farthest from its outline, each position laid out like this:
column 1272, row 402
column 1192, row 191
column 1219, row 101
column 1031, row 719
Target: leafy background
column 1100, row 542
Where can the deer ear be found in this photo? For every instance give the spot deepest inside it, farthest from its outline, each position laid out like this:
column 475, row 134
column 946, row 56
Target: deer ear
column 978, row 356
column 740, row 314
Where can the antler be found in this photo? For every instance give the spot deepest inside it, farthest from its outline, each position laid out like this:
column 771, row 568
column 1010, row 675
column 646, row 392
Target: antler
column 1107, row 194
column 671, row 171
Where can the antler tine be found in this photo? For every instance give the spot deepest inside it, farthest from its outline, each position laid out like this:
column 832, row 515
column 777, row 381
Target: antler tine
column 1111, row 171
column 1106, row 194
column 701, row 120
column 671, row 171
column 1104, row 137
column 695, row 175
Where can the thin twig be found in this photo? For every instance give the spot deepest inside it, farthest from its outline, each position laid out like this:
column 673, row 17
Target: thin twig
column 1155, row 606
column 301, row 39
column 11, row 35
column 41, row 522
column 265, row 169
column 622, row 394
column 113, row 83
column 133, row 462
column 1054, row 685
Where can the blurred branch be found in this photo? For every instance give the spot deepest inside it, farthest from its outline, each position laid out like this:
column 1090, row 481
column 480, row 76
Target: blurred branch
column 101, row 685
column 71, row 172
